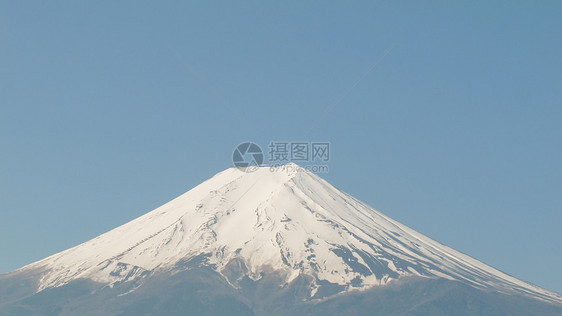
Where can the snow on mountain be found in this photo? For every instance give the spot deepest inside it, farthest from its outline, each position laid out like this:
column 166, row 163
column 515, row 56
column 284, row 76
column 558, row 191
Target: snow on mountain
column 286, row 220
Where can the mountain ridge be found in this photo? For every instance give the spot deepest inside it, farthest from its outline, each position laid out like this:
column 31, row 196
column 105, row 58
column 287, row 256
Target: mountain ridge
column 274, row 226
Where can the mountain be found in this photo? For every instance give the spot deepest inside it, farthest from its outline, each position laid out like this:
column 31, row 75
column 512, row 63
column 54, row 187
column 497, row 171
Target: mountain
column 274, row 241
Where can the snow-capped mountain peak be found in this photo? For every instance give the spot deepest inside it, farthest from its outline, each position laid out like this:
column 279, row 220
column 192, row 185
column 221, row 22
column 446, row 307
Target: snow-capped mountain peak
column 284, row 220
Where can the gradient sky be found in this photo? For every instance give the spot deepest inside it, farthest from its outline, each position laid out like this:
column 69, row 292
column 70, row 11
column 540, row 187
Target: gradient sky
column 109, row 109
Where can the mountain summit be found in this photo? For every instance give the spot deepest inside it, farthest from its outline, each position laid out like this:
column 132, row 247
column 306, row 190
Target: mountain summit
column 253, row 238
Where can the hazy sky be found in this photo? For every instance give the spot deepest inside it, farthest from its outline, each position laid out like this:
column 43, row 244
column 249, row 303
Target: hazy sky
column 108, row 109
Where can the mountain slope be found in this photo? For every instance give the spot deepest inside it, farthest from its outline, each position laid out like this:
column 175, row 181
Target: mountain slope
column 272, row 229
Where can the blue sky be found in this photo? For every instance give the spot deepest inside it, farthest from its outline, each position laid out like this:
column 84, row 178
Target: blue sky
column 108, row 109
